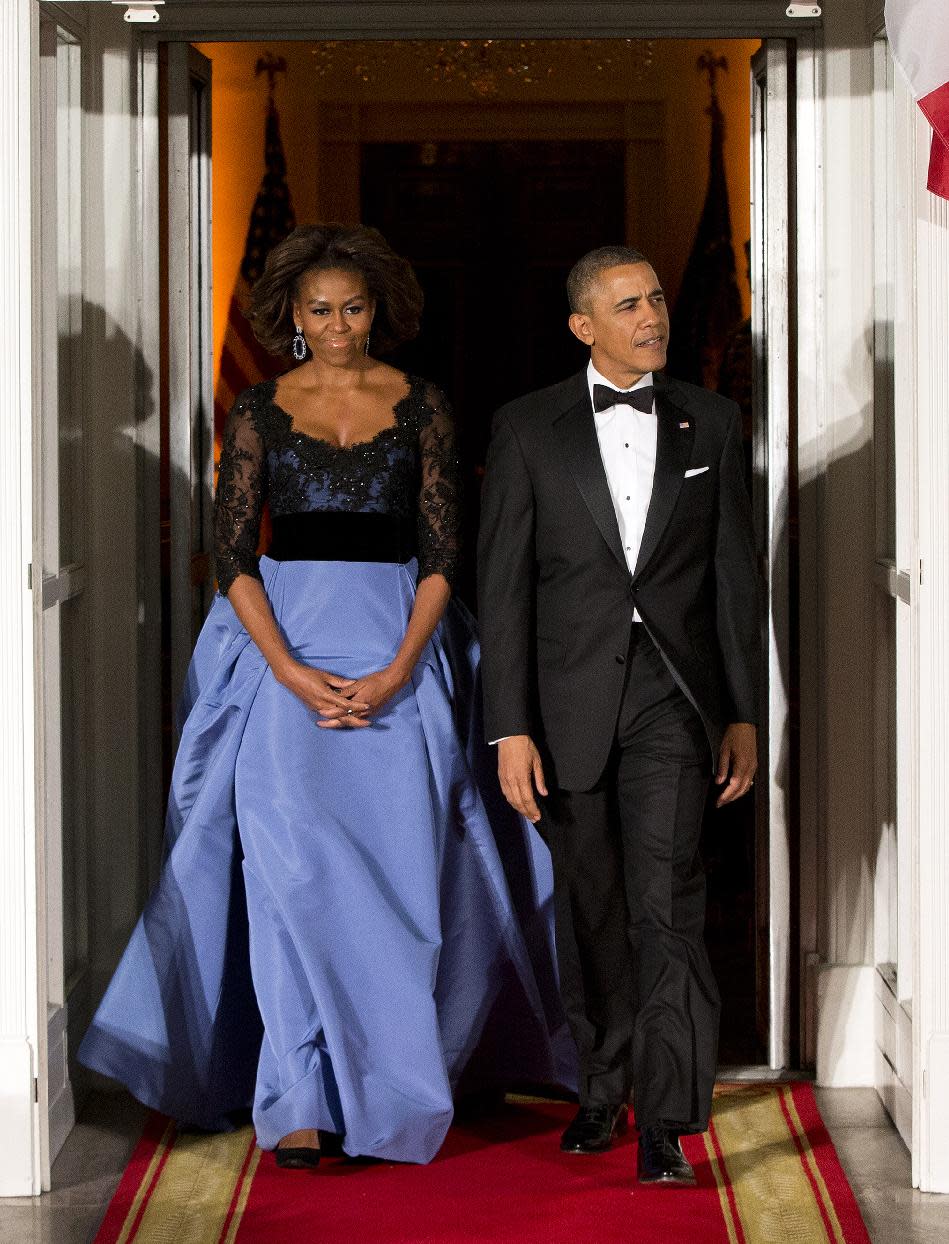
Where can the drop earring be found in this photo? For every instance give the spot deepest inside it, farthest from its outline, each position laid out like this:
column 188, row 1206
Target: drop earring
column 368, row 335
column 299, row 345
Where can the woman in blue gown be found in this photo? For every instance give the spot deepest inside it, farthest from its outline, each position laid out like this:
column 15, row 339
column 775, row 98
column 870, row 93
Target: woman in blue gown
column 349, row 921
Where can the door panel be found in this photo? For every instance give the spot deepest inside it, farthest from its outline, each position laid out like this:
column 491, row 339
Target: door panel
column 188, row 423
column 773, row 434
column 59, row 564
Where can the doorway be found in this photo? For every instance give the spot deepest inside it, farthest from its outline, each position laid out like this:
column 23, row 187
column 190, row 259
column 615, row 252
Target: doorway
column 492, row 186
column 643, row 128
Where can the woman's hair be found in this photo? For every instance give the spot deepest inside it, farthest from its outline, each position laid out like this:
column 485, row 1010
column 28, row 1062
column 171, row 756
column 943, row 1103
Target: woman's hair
column 348, row 248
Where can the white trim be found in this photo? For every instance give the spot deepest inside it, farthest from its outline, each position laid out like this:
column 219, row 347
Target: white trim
column 894, row 1055
column 811, row 463
column 837, row 501
column 846, row 1007
column 458, row 19
column 148, row 452
column 770, row 229
column 22, row 970
column 931, row 948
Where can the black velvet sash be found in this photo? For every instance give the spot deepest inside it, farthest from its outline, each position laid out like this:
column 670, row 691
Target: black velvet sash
column 342, row 536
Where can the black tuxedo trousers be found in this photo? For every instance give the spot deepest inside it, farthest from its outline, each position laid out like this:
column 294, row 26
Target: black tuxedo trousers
column 630, row 907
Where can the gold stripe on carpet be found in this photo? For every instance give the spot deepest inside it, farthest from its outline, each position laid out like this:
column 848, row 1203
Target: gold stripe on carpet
column 811, row 1161
column 196, row 1189
column 774, row 1196
column 721, row 1185
column 167, row 1138
column 242, row 1197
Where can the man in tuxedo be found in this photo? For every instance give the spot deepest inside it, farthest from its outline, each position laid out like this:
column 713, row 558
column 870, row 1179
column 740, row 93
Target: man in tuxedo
column 620, row 641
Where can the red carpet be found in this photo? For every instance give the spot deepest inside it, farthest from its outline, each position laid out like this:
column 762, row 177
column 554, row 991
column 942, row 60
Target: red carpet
column 767, row 1171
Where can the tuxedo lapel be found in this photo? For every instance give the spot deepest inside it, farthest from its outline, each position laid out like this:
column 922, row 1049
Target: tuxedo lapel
column 675, row 434
column 582, row 449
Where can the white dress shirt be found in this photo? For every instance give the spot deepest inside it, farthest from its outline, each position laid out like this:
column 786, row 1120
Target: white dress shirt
column 627, row 439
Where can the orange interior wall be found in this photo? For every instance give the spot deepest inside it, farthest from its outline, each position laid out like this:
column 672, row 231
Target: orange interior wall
column 239, row 102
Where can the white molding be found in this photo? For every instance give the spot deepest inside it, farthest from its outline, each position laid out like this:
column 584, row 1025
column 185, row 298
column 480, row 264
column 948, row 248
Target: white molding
column 846, row 1008
column 896, row 1097
column 340, row 19
column 771, row 256
column 18, row 1175
column 59, row 1089
column 811, row 465
column 845, row 494
column 21, row 971
column 894, row 1054
column 148, row 452
column 931, row 948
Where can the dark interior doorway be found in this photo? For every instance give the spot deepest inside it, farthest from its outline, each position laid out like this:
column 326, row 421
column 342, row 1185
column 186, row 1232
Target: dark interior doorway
column 492, row 228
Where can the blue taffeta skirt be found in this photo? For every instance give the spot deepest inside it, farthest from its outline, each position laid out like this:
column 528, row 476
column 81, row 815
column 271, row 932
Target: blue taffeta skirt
column 350, row 924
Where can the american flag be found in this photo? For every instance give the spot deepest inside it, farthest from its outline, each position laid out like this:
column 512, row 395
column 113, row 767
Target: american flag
column 243, row 361
column 708, row 308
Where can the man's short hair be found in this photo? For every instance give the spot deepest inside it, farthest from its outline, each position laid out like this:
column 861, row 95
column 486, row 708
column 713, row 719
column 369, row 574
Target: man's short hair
column 584, row 273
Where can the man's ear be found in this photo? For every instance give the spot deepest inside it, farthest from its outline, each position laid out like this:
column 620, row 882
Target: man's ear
column 581, row 328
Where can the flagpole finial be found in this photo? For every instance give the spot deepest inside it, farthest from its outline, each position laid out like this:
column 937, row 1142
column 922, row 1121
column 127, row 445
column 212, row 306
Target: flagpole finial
column 271, row 65
column 710, row 64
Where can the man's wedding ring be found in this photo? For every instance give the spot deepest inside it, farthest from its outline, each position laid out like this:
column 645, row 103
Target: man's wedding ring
column 349, row 712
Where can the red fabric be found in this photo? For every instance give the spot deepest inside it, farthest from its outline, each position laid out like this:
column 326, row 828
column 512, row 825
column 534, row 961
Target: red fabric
column 501, row 1179
column 822, row 1147
column 935, row 108
column 135, row 1173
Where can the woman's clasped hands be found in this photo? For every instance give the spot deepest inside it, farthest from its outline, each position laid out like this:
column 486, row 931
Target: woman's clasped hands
column 342, row 702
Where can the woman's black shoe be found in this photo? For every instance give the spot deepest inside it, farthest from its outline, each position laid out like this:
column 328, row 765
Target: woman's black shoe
column 297, row 1158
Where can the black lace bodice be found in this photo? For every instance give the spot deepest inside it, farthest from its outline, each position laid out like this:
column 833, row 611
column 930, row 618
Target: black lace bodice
column 411, row 466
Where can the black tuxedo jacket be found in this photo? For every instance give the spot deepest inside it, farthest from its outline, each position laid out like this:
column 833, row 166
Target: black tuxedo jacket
column 556, row 597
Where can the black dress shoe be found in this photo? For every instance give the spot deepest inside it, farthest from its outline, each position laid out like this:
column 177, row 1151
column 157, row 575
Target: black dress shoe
column 297, row 1158
column 660, row 1159
column 593, row 1129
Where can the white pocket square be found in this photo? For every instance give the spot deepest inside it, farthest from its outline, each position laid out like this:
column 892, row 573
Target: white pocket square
column 695, row 471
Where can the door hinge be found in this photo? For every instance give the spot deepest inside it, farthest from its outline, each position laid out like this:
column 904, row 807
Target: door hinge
column 29, row 577
column 36, row 1089
column 920, row 571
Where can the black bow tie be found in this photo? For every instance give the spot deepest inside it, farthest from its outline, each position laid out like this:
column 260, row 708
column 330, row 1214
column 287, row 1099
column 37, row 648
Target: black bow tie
column 604, row 397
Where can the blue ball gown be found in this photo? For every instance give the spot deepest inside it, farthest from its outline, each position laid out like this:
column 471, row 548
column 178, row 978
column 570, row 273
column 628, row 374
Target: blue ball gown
column 351, row 926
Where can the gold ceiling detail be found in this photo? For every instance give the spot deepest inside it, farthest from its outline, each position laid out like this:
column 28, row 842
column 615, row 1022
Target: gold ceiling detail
column 485, row 66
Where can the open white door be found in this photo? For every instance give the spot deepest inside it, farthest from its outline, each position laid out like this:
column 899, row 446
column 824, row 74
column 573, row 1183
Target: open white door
column 772, row 325
column 59, row 574
column 188, row 441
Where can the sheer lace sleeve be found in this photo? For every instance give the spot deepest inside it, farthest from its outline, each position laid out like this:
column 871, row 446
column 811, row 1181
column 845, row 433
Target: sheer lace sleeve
column 241, row 486
column 439, row 517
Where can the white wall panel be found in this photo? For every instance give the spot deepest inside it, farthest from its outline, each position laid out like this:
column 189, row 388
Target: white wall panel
column 21, row 970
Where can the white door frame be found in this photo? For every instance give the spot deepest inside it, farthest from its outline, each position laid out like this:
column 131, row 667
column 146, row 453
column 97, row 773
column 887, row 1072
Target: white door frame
column 22, row 849
column 771, row 307
column 190, row 344
column 22, row 935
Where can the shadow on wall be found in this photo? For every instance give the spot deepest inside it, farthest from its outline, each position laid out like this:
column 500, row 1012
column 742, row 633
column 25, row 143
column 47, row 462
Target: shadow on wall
column 111, row 643
column 838, row 658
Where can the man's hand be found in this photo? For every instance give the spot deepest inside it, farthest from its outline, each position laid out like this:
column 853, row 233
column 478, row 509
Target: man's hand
column 737, row 761
column 520, row 770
